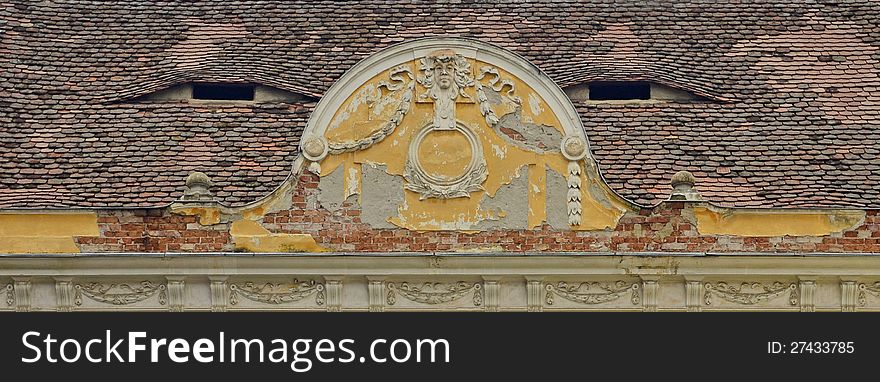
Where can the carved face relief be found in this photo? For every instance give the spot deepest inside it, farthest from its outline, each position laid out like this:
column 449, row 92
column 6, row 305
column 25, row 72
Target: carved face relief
column 445, row 75
column 443, row 72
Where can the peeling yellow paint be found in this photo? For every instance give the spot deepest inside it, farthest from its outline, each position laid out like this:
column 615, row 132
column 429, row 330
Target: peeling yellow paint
column 207, row 215
column 445, row 154
column 45, row 233
column 599, row 212
column 764, row 223
column 252, row 237
column 280, row 199
column 211, row 213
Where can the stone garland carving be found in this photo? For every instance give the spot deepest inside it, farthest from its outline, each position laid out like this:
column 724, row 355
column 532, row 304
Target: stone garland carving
column 865, row 289
column 760, row 292
column 470, row 182
column 574, row 193
column 119, row 294
column 592, row 292
column 10, row 294
column 269, row 293
column 403, row 107
column 483, row 100
column 434, row 293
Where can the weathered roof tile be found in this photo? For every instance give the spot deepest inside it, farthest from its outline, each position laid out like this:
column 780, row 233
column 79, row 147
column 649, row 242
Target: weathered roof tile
column 793, row 118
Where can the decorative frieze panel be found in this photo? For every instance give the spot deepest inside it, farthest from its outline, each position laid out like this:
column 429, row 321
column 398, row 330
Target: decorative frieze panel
column 95, row 293
column 763, row 294
column 454, row 295
column 570, row 294
column 293, row 294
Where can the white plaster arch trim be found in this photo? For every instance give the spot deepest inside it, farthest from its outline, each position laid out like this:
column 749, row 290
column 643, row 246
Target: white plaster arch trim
column 406, row 52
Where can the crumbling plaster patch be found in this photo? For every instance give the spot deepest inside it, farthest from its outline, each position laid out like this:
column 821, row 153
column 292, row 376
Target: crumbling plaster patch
column 557, row 199
column 382, row 196
column 507, row 206
column 330, row 195
column 535, row 137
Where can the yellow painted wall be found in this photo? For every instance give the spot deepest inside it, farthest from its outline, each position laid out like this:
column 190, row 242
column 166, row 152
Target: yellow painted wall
column 45, row 233
column 250, row 236
column 774, row 222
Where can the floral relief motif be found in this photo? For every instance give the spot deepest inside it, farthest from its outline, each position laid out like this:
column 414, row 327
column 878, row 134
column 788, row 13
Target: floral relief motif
column 470, row 182
column 434, row 293
column 119, row 294
column 751, row 293
column 271, row 293
column 592, row 292
column 865, row 289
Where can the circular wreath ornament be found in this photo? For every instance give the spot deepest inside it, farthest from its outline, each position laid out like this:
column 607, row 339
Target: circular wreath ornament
column 434, row 186
column 574, row 147
column 315, row 148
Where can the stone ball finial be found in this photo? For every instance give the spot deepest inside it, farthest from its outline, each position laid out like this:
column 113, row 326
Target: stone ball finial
column 683, row 178
column 198, row 186
column 683, row 187
column 197, row 178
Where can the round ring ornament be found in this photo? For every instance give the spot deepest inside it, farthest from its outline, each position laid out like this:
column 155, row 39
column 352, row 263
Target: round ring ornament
column 435, row 186
column 574, row 147
column 315, row 148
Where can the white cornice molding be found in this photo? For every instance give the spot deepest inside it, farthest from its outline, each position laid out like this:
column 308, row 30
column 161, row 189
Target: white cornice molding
column 474, row 283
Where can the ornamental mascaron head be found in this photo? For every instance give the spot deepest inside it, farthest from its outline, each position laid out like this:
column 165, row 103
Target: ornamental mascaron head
column 445, row 75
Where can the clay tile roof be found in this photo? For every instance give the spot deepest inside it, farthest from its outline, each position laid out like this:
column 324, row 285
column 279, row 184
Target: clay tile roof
column 792, row 116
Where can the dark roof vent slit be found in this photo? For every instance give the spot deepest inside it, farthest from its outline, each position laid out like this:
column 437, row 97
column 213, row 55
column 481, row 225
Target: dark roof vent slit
column 614, row 91
column 629, row 92
column 223, row 92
